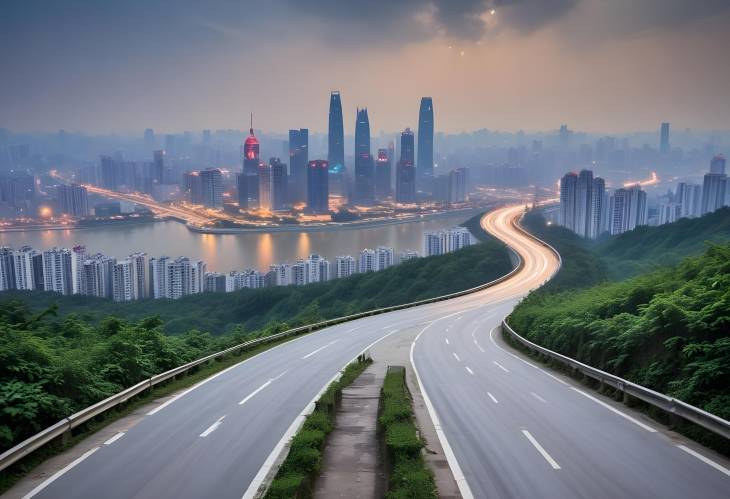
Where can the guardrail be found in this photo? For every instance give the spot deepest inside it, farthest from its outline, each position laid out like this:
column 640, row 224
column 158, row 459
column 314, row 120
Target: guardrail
column 64, row 426
column 663, row 402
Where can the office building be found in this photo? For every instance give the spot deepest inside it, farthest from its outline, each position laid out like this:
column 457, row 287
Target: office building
column 57, row 273
column 73, row 200
column 264, row 173
column 158, row 167
column 405, row 181
column 364, row 189
column 664, row 139
column 345, row 266
column 383, row 175
column 279, row 185
column 192, row 187
column 248, row 185
column 318, row 187
column 298, row 159
column 336, row 135
column 424, row 168
column 211, row 185
column 458, row 182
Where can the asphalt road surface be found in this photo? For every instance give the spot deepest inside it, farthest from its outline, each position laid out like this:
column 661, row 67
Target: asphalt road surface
column 509, row 428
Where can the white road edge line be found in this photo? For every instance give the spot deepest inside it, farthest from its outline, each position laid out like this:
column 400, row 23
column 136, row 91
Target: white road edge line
column 114, row 438
column 253, row 393
column 255, row 484
column 538, row 397
column 59, row 473
column 542, row 451
column 456, row 357
column 492, row 397
column 448, row 451
column 613, row 409
column 213, row 427
column 500, row 366
column 491, row 338
column 470, row 371
column 705, row 460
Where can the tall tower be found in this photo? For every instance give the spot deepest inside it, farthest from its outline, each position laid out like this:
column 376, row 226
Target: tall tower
column 298, row 159
column 664, row 139
column 251, row 160
column 364, row 167
column 318, row 191
column 336, row 137
column 405, row 176
column 424, row 167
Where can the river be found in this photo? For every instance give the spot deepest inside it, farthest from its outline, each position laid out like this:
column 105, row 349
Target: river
column 225, row 252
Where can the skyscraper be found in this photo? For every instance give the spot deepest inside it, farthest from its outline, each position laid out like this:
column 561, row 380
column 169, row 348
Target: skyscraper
column 279, row 184
column 598, row 196
column 25, row 261
column 405, row 180
column 583, row 203
column 364, row 167
column 298, row 159
column 265, row 186
column 251, row 160
column 568, row 193
column 664, row 139
column 383, row 175
column 628, row 210
column 158, row 167
column 336, row 135
column 717, row 164
column 73, row 200
column 714, row 187
column 7, row 269
column 458, row 181
column 318, row 186
column 689, row 196
column 211, row 183
column 424, row 168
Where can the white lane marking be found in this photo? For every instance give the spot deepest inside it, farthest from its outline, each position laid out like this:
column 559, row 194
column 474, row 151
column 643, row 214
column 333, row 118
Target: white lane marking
column 492, row 397
column 542, row 451
column 538, row 397
column 59, row 473
column 448, row 451
column 198, row 385
column 318, row 350
column 257, row 390
column 478, row 346
column 613, row 409
column 114, row 438
column 447, row 341
column 470, row 371
column 500, row 366
column 213, row 427
column 253, row 487
column 523, row 360
column 456, row 356
column 705, row 460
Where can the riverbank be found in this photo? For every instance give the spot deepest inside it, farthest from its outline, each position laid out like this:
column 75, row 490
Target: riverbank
column 87, row 226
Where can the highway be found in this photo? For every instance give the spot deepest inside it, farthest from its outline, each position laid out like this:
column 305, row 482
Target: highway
column 510, row 429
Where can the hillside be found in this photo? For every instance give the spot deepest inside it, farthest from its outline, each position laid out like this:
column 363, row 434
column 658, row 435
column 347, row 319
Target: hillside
column 668, row 330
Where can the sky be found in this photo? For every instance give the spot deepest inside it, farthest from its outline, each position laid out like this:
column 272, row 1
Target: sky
column 608, row 66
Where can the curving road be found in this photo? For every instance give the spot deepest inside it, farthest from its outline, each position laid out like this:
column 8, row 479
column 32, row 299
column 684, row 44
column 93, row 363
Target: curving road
column 508, row 428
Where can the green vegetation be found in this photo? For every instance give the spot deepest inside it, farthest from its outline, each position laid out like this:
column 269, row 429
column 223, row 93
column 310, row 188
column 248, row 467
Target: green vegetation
column 668, row 330
column 295, row 478
column 409, row 476
column 220, row 313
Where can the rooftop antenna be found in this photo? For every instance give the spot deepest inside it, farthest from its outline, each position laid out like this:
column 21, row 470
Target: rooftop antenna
column 251, row 129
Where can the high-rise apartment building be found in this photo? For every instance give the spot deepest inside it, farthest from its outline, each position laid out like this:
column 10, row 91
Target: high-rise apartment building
column 28, row 266
column 582, row 204
column 568, row 194
column 345, row 266
column 211, row 184
column 628, row 209
column 7, row 269
column 98, row 276
column 384, row 257
column 367, row 261
column 714, row 188
column 316, row 269
column 57, row 273
column 689, row 197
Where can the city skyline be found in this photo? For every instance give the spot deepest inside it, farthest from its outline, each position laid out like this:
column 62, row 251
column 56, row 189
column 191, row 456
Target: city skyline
column 475, row 63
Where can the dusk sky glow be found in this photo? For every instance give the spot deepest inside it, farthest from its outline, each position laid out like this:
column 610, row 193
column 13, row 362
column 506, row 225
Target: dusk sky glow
column 603, row 66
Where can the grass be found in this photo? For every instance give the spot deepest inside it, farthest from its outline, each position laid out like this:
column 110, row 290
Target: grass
column 408, row 475
column 295, row 478
column 11, row 475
